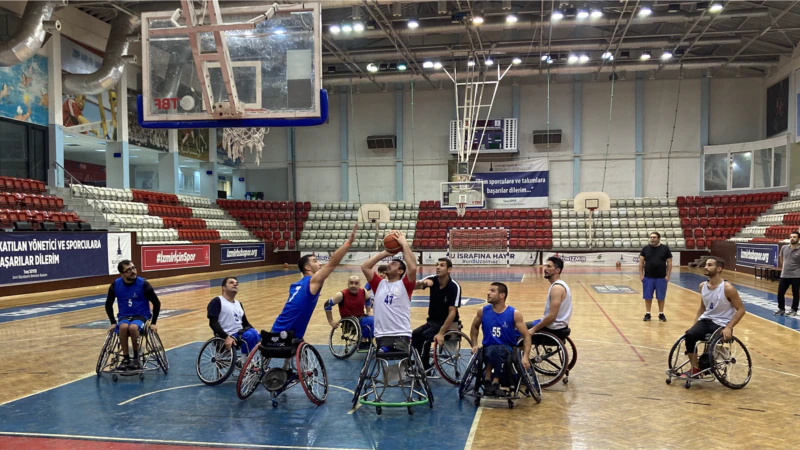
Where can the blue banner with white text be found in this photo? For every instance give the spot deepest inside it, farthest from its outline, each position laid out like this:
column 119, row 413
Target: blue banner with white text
column 752, row 255
column 38, row 257
column 241, row 253
column 515, row 184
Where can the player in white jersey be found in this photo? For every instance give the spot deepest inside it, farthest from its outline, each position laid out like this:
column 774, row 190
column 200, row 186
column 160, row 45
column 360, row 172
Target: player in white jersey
column 392, row 299
column 720, row 306
column 558, row 309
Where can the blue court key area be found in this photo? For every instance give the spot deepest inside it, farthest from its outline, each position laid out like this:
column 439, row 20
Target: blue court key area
column 204, row 414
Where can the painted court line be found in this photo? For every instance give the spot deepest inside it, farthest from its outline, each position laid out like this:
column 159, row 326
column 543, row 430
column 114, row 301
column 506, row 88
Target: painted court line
column 158, row 392
column 473, row 428
column 613, row 324
column 160, row 441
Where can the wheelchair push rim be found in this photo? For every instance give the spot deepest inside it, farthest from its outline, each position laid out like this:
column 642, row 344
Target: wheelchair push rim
column 156, row 349
column 312, row 374
column 349, row 334
column 106, row 352
column 469, row 384
column 215, row 363
column 448, row 358
column 730, row 362
column 251, row 374
column 548, row 358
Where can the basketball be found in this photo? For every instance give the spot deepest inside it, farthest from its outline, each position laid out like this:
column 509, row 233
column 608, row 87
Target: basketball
column 285, row 265
column 391, row 244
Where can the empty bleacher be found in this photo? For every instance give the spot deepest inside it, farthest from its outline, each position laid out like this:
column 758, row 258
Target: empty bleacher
column 22, row 200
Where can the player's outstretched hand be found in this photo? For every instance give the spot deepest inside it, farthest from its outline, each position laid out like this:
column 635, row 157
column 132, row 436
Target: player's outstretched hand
column 353, row 234
column 401, row 239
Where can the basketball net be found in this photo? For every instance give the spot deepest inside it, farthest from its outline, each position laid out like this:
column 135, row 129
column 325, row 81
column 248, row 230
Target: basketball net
column 236, row 140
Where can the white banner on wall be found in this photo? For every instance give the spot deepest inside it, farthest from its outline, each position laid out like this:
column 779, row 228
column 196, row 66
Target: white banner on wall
column 119, row 248
column 483, row 258
column 604, row 259
column 515, row 184
column 356, row 258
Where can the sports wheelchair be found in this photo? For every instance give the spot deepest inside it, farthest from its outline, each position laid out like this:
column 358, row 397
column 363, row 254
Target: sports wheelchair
column 215, row 364
column 552, row 358
column 152, row 355
column 729, row 362
column 299, row 363
column 344, row 340
column 514, row 380
column 447, row 358
column 377, row 374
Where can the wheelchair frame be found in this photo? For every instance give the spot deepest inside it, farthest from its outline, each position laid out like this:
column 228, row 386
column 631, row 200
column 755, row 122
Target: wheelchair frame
column 350, row 332
column 375, row 378
column 152, row 355
column 444, row 358
column 472, row 383
column 549, row 358
column 717, row 368
column 224, row 361
column 257, row 370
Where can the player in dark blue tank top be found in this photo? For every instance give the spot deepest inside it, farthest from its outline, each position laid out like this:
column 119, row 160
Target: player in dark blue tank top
column 501, row 325
column 133, row 295
column 303, row 294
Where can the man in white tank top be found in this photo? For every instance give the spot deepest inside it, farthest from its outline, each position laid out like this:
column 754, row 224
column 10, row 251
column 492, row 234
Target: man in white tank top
column 720, row 306
column 227, row 318
column 558, row 309
column 392, row 300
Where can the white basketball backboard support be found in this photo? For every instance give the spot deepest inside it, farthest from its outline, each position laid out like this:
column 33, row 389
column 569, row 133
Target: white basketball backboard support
column 469, row 192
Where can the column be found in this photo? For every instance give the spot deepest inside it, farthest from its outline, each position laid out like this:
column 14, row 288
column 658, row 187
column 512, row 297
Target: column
column 398, row 132
column 168, row 166
column 117, row 153
column 55, row 119
column 208, row 170
column 705, row 100
column 290, row 167
column 639, row 136
column 577, row 104
column 344, row 154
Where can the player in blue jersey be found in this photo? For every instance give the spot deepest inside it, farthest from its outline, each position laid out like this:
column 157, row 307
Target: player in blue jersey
column 303, row 294
column 500, row 324
column 134, row 295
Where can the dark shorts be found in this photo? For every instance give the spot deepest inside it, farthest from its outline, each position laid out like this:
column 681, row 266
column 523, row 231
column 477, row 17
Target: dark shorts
column 497, row 356
column 394, row 343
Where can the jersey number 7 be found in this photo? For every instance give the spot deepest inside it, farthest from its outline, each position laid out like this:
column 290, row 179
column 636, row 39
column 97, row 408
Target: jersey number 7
column 389, row 299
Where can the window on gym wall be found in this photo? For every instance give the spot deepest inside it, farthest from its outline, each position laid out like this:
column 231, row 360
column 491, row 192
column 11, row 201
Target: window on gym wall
column 23, row 150
column 746, row 166
column 779, row 166
column 741, row 166
column 762, row 172
column 715, row 177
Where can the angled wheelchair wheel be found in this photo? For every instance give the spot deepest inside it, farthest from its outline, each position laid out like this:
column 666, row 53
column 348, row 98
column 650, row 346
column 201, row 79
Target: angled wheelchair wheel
column 362, row 376
column 529, row 378
column 548, row 358
column 157, row 349
column 448, row 358
column 215, row 363
column 572, row 353
column 251, row 374
column 730, row 361
column 470, row 382
column 109, row 346
column 344, row 340
column 312, row 374
column 678, row 361
column 423, row 378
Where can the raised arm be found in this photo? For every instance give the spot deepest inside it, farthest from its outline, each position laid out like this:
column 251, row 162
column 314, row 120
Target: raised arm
column 335, row 300
column 519, row 324
column 366, row 268
column 409, row 257
column 424, row 283
column 557, row 295
column 324, row 272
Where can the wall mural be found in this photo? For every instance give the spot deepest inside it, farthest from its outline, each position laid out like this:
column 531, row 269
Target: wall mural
column 23, row 91
column 193, row 144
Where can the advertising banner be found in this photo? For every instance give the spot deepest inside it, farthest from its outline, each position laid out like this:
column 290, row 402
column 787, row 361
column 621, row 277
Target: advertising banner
column 241, row 253
column 357, row 258
column 752, row 255
column 518, row 258
column 515, row 184
column 31, row 257
column 167, row 257
column 605, row 259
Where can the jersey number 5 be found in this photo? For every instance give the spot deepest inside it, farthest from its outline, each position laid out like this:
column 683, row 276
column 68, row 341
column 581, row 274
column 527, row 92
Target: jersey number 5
column 496, row 331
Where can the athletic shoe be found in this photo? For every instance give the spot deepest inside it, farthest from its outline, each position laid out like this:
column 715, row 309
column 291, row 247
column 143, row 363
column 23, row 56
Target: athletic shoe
column 363, row 345
column 124, row 365
column 693, row 373
column 662, row 317
column 792, row 313
column 779, row 312
column 134, row 365
column 487, row 387
column 646, row 317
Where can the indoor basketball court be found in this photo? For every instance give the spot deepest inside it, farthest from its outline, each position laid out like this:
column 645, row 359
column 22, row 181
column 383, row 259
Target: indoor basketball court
column 230, row 154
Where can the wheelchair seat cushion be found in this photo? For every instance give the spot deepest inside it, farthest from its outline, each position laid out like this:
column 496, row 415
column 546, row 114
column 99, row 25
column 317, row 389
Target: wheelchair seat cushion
column 278, row 345
column 393, row 355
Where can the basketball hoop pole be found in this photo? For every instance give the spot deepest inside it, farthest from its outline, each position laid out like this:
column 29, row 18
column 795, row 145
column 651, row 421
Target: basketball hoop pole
column 591, row 228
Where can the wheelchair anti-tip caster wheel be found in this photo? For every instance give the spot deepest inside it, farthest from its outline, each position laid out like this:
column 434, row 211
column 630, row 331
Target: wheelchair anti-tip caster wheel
column 511, row 404
column 378, row 410
column 477, row 402
column 114, row 377
column 410, row 411
column 274, row 404
column 669, row 380
column 688, row 384
column 565, row 380
column 141, row 377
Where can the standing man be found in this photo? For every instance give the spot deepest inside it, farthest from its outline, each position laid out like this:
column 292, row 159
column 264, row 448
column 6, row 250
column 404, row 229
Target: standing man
column 789, row 261
column 227, row 319
column 445, row 299
column 655, row 266
column 133, row 295
column 392, row 303
column 720, row 307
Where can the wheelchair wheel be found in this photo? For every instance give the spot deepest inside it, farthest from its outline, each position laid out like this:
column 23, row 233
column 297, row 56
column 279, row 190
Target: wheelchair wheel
column 156, row 348
column 423, row 378
column 344, row 340
column 214, row 363
column 572, row 352
column 730, row 362
column 106, row 351
column 548, row 358
column 470, row 382
column 312, row 374
column 447, row 358
column 529, row 378
column 678, row 361
column 251, row 374
column 362, row 376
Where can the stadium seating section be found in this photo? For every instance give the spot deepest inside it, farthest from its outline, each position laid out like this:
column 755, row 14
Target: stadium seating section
column 22, row 200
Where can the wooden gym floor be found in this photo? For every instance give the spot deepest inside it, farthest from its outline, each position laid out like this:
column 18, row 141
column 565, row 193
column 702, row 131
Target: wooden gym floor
column 616, row 396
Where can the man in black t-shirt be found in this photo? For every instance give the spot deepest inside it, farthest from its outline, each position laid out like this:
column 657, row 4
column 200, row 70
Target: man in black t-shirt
column 655, row 266
column 445, row 299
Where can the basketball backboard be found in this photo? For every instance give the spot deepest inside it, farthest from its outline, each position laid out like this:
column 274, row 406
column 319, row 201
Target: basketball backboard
column 203, row 63
column 469, row 192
